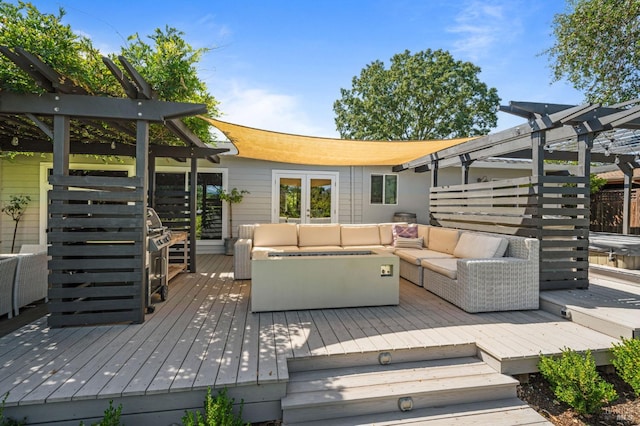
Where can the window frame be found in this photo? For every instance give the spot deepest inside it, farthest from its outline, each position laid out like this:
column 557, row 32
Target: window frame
column 384, row 189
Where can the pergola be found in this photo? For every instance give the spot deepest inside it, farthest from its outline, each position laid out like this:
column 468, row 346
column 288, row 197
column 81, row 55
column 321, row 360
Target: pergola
column 97, row 225
column 553, row 207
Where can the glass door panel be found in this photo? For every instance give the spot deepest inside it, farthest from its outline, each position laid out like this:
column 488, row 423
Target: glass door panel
column 319, row 200
column 290, row 199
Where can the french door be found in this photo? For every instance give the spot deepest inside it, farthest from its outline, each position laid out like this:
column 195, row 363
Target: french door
column 305, row 197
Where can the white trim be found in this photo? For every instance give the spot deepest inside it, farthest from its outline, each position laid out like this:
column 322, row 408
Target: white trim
column 305, row 176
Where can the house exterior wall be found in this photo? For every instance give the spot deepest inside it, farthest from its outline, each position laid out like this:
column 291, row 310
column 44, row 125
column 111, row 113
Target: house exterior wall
column 22, row 175
column 19, row 176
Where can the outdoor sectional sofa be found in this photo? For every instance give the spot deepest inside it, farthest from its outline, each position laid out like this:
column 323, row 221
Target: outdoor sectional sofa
column 478, row 272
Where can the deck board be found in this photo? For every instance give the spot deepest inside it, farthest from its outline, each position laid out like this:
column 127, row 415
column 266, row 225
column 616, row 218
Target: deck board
column 204, row 335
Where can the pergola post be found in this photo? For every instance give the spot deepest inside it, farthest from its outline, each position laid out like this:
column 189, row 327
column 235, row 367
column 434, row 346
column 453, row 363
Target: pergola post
column 626, row 208
column 142, row 172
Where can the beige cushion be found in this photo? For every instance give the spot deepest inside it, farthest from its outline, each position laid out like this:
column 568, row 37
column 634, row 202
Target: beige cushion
column 415, row 256
column 360, row 235
column 423, row 232
column 478, row 246
column 275, row 234
column 443, row 239
column 386, row 233
column 446, row 267
column 319, row 235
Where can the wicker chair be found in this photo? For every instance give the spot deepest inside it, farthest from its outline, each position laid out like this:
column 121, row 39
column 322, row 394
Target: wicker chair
column 7, row 275
column 31, row 279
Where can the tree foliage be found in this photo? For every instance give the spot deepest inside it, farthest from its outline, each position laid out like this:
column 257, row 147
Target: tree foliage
column 597, row 48
column 168, row 62
column 427, row 95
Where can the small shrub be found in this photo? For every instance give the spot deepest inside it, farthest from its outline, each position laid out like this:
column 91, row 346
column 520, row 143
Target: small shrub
column 574, row 380
column 626, row 360
column 8, row 421
column 218, row 412
column 111, row 416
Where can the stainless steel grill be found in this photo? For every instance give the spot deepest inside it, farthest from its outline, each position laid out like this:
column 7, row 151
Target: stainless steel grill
column 158, row 241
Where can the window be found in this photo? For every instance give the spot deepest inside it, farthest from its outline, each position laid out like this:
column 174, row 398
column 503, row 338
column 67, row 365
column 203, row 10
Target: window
column 384, row 189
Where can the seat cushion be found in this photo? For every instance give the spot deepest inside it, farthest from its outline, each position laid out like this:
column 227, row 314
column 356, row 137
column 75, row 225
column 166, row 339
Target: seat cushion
column 447, row 267
column 414, row 256
column 443, row 239
column 360, row 235
column 319, row 235
column 275, row 234
column 320, row 249
column 479, row 246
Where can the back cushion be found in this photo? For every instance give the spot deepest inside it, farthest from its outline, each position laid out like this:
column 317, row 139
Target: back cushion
column 319, row 235
column 478, row 246
column 364, row 235
column 423, row 232
column 275, row 234
column 443, row 239
column 386, row 233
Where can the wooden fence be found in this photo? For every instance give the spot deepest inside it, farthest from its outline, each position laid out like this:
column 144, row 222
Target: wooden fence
column 97, row 264
column 553, row 209
column 606, row 211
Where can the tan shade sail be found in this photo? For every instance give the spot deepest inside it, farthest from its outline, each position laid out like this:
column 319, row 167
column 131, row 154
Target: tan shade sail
column 286, row 148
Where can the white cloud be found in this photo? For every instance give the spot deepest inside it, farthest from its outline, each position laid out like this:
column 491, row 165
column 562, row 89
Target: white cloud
column 482, row 25
column 265, row 109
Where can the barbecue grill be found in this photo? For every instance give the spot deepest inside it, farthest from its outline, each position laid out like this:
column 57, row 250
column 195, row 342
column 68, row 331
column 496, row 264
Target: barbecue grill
column 158, row 241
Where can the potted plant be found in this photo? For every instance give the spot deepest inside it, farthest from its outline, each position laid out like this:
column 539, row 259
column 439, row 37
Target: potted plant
column 231, row 197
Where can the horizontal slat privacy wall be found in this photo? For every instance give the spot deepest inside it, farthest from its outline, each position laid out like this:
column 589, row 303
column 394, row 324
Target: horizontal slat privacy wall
column 96, row 238
column 554, row 209
column 173, row 208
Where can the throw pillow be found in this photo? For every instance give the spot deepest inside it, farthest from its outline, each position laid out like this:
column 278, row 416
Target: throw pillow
column 412, row 243
column 405, row 231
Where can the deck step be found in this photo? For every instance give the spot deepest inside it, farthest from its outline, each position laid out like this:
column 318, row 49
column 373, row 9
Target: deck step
column 375, row 389
column 503, row 412
column 612, row 309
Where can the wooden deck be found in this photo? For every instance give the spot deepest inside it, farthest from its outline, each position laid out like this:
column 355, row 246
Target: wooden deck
column 204, row 336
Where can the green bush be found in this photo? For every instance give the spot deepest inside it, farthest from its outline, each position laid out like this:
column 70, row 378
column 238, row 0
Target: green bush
column 218, row 412
column 574, row 380
column 626, row 360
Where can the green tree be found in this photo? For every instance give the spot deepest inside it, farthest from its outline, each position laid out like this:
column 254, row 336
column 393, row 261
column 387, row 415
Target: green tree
column 168, row 63
column 427, row 95
column 597, row 48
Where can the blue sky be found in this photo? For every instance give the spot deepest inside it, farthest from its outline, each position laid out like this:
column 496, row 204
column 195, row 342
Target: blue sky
column 280, row 64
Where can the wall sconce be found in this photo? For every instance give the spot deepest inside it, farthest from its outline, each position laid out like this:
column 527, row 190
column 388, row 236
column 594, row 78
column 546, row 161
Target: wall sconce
column 113, row 145
column 15, row 141
column 606, row 151
column 617, row 160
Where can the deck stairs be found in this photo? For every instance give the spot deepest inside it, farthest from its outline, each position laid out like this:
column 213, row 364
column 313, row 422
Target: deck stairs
column 441, row 391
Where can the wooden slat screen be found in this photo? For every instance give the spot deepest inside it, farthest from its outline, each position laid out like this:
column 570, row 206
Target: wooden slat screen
column 172, row 206
column 97, row 248
column 553, row 209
